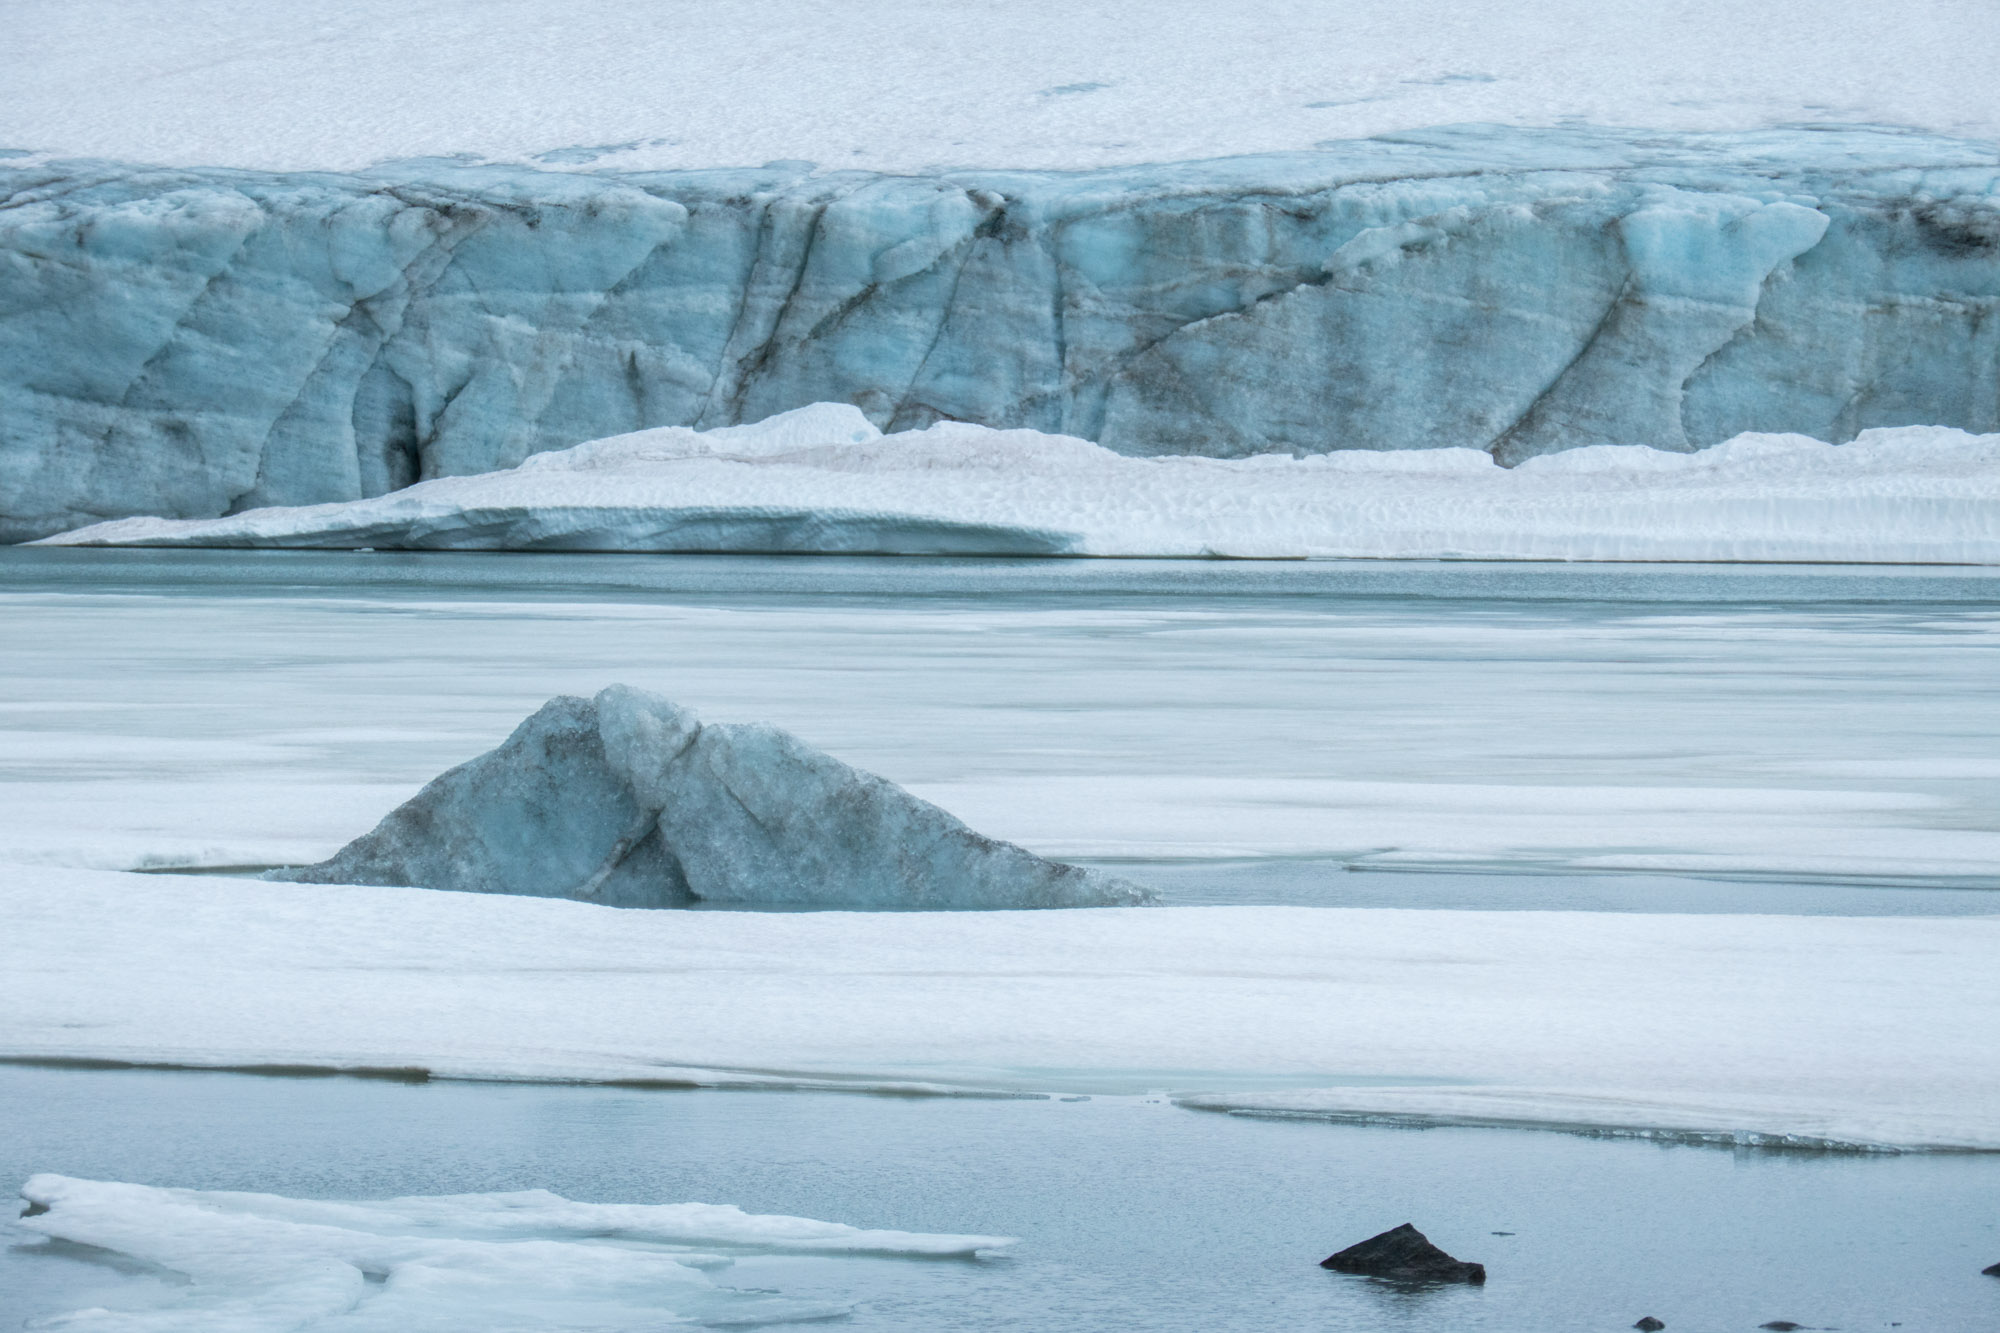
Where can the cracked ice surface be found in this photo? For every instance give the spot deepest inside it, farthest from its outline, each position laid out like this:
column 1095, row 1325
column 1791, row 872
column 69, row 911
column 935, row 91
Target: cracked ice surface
column 897, row 85
column 530, row 1260
column 822, row 480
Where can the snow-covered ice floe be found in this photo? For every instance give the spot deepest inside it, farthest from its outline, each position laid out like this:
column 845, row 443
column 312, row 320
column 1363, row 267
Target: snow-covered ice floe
column 629, row 799
column 823, row 480
column 1862, row 1033
column 444, row 1264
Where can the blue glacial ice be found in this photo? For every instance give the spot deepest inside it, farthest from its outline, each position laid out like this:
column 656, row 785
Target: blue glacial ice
column 193, row 343
column 629, row 800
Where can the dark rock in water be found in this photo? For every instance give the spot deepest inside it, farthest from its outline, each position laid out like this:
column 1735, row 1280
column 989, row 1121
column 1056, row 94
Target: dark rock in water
column 1991, row 1270
column 631, row 801
column 1781, row 1326
column 1650, row 1324
column 1404, row 1254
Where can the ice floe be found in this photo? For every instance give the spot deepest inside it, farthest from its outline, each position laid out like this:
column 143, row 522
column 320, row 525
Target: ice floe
column 256, row 1263
column 1855, row 1032
column 823, row 480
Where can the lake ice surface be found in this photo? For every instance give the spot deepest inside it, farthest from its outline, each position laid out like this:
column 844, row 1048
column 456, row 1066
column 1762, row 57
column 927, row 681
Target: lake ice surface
column 1824, row 737
column 162, row 709
column 1133, row 1215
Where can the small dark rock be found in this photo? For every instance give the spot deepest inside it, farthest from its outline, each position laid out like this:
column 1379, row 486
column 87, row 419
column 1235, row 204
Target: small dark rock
column 1403, row 1255
column 1781, row 1326
column 34, row 1210
column 1991, row 1270
column 1650, row 1324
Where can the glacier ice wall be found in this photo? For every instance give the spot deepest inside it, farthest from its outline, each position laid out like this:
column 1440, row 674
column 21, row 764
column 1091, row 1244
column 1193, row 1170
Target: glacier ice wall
column 629, row 800
column 191, row 343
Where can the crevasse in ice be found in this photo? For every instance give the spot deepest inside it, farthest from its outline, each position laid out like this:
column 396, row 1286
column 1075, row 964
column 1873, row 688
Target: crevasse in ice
column 628, row 799
column 188, row 343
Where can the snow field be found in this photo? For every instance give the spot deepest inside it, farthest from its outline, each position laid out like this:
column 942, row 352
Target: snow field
column 895, row 85
column 1874, row 1033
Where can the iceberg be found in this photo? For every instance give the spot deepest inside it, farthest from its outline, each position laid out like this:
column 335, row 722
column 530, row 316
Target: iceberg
column 192, row 343
column 526, row 1260
column 824, row 480
column 630, row 800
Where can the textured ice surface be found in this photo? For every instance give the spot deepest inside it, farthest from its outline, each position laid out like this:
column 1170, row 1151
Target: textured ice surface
column 257, row 1263
column 628, row 799
column 901, row 85
column 823, row 480
column 194, row 342
column 1871, row 1032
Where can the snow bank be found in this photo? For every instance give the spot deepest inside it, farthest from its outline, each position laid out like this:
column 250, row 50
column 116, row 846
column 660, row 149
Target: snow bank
column 822, row 479
column 530, row 1260
column 628, row 799
column 1838, row 1031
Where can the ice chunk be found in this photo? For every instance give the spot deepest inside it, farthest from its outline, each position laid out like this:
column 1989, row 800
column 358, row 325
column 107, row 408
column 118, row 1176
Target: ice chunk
column 628, row 799
column 531, row 1260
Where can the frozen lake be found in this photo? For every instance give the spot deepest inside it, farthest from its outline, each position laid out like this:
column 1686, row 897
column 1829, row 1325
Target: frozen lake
column 1806, row 725
column 1132, row 1214
column 1808, row 741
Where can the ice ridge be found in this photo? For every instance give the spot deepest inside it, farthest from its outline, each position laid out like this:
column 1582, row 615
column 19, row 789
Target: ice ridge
column 630, row 800
column 193, row 343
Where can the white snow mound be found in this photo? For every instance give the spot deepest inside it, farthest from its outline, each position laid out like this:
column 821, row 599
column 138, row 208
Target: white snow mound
column 823, row 480
column 525, row 1261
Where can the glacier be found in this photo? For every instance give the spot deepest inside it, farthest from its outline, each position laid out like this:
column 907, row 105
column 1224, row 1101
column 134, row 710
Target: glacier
column 188, row 342
column 628, row 799
column 524, row 1260
column 823, row 480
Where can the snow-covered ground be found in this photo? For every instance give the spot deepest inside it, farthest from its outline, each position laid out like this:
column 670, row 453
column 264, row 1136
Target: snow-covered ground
column 251, row 1263
column 900, row 84
column 1873, row 1032
column 822, row 480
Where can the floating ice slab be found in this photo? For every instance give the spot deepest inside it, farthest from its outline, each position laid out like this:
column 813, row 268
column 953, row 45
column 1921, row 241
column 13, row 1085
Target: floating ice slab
column 255, row 1263
column 822, row 479
column 628, row 799
column 1872, row 1033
